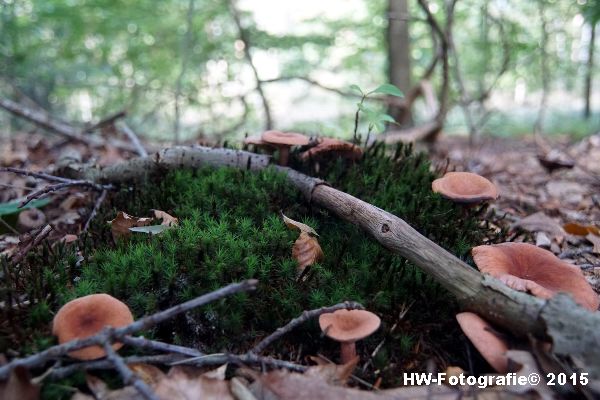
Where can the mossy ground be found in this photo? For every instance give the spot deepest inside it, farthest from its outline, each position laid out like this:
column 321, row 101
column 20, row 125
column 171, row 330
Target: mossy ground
column 231, row 229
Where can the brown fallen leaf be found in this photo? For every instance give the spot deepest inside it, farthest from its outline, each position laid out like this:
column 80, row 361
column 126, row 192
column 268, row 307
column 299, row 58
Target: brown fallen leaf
column 581, row 230
column 123, row 221
column 306, row 251
column 290, row 223
column 19, row 386
column 595, row 240
column 149, row 373
column 285, row 385
column 167, row 219
column 178, row 385
column 331, row 373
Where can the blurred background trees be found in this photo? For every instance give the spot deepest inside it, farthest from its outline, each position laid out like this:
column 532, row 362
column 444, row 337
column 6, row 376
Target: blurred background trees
column 186, row 69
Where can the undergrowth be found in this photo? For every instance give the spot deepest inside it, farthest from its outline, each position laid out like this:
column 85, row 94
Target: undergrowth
column 231, row 229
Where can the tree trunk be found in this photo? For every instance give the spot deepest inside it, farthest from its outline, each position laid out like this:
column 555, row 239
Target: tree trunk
column 589, row 71
column 398, row 41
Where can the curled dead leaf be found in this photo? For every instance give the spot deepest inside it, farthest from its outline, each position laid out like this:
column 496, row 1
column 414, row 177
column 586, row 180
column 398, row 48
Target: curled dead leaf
column 581, row 230
column 595, row 240
column 306, row 251
column 290, row 223
column 166, row 218
column 123, row 221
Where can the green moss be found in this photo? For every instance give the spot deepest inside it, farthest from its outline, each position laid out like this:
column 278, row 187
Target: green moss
column 231, row 230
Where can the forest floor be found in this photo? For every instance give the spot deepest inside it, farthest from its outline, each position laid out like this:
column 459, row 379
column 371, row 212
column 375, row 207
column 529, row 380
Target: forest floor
column 552, row 207
column 557, row 208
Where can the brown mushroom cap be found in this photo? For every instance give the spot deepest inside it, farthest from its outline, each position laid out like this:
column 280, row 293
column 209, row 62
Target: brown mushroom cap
column 285, row 138
column 255, row 140
column 330, row 145
column 349, row 325
column 492, row 348
column 465, row 187
column 526, row 267
column 86, row 316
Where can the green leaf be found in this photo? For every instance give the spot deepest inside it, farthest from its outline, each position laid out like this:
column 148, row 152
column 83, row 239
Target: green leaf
column 153, row 229
column 12, row 207
column 389, row 89
column 356, row 88
column 387, row 118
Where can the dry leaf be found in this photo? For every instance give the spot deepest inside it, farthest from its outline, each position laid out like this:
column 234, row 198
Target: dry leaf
column 540, row 222
column 177, row 385
column 290, row 223
column 332, row 373
column 68, row 238
column 167, row 219
column 149, row 373
column 306, row 251
column 595, row 240
column 123, row 221
column 19, row 386
column 580, row 230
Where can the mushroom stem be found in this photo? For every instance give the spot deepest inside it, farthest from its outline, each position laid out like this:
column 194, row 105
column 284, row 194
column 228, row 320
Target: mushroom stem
column 284, row 155
column 347, row 351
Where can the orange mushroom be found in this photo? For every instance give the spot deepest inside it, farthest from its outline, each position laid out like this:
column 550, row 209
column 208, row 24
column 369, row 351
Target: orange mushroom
column 284, row 141
column 87, row 316
column 481, row 334
column 528, row 268
column 333, row 146
column 347, row 327
column 465, row 187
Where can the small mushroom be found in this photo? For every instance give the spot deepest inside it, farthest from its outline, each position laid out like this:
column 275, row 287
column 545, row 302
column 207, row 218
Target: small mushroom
column 347, row 327
column 85, row 317
column 528, row 268
column 30, row 219
column 338, row 147
column 490, row 346
column 284, row 141
column 465, row 187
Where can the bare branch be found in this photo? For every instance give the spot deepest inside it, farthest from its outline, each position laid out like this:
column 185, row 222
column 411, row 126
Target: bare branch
column 306, row 315
column 97, row 205
column 43, row 234
column 245, row 38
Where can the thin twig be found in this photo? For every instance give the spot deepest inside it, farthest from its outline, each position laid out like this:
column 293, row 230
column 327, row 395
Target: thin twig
column 39, row 175
column 306, row 315
column 133, row 138
column 110, row 120
column 97, row 206
column 161, row 346
column 129, row 378
column 63, row 372
column 41, row 193
column 222, row 358
column 112, row 334
column 43, row 234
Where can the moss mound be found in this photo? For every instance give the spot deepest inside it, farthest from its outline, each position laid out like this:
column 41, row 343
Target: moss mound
column 231, row 229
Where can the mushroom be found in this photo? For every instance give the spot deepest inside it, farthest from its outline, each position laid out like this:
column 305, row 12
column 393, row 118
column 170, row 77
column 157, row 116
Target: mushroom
column 465, row 187
column 347, row 327
column 30, row 219
column 490, row 346
column 528, row 268
column 284, row 141
column 85, row 317
column 336, row 146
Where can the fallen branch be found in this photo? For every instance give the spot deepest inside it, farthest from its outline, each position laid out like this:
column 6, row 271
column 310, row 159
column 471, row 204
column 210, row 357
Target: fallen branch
column 110, row 335
column 572, row 329
column 41, row 193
